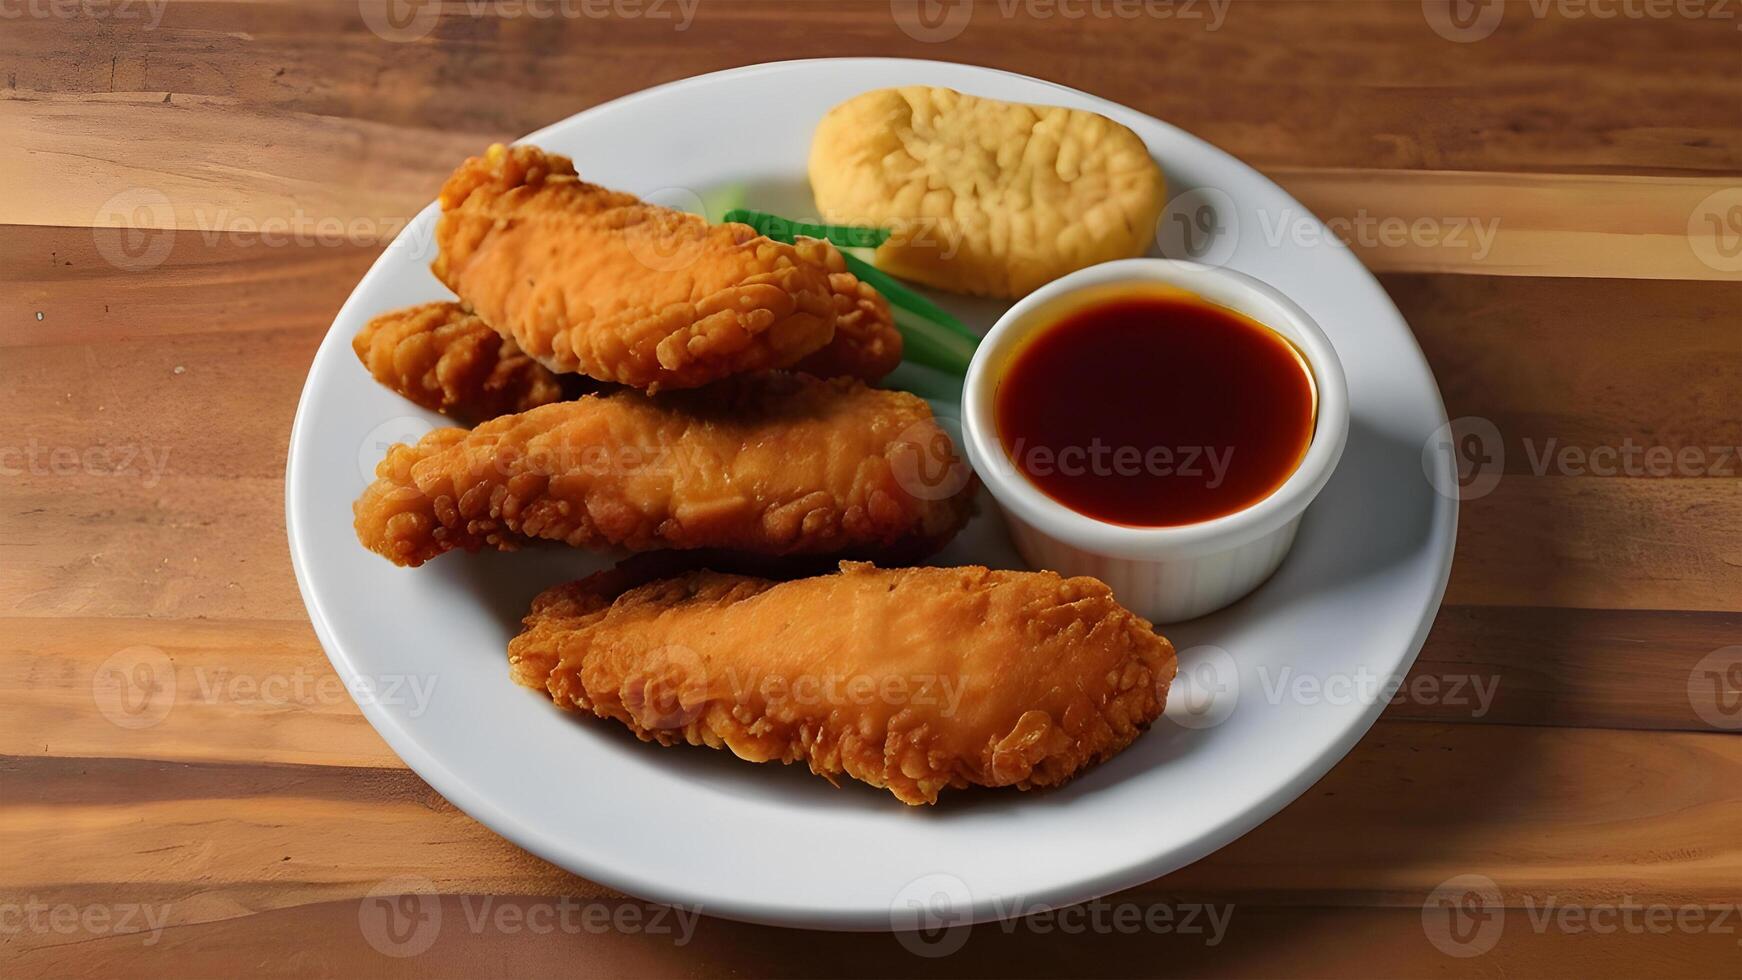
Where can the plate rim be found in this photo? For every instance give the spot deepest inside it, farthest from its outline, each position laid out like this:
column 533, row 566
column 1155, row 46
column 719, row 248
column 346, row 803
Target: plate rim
column 984, row 908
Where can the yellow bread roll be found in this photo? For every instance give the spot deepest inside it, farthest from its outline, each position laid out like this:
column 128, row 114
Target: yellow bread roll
column 985, row 197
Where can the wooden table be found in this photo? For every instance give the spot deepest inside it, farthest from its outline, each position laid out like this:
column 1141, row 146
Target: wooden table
column 190, row 192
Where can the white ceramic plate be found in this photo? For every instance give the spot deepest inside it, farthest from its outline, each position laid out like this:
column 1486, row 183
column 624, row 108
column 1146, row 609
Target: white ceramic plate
column 775, row 844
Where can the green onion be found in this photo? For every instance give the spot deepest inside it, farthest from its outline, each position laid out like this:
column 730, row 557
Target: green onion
column 930, row 335
column 785, row 229
column 928, row 383
column 935, row 346
column 906, row 298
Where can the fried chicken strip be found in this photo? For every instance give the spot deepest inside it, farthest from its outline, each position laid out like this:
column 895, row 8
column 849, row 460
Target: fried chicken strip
column 598, row 282
column 450, row 361
column 911, row 679
column 866, row 344
column 778, row 464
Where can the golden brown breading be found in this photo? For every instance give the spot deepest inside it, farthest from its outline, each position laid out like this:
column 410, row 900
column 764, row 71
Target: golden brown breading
column 594, row 281
column 774, row 464
column 867, row 344
column 912, row 679
column 450, row 361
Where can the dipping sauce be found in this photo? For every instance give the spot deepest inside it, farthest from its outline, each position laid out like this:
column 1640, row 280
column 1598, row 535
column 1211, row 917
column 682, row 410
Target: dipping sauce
column 1153, row 407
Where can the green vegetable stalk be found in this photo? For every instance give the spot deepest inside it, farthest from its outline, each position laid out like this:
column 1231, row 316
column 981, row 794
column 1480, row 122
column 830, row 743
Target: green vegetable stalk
column 930, row 335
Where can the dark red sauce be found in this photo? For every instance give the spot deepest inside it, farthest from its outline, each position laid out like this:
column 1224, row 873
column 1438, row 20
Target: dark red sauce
column 1156, row 409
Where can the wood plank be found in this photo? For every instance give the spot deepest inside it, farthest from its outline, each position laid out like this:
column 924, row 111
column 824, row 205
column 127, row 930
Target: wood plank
column 1601, row 542
column 1582, row 815
column 489, row 936
column 1397, row 220
column 262, row 692
column 1508, row 224
column 121, row 497
column 186, row 547
column 61, row 291
column 1591, row 668
column 234, row 691
column 1556, row 363
column 202, row 164
column 249, row 111
column 1614, row 418
column 93, row 545
column 1636, row 363
column 1586, row 364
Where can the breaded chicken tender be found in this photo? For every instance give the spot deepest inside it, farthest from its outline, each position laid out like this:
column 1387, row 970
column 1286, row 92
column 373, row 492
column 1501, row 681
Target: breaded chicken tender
column 450, row 361
column 867, row 344
column 598, row 282
column 912, row 679
column 777, row 464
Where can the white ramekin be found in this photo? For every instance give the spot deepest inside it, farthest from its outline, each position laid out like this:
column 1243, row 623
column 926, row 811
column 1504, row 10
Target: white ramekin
column 1166, row 574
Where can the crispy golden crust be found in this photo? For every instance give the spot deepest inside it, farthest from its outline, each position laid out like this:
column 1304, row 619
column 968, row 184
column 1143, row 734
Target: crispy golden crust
column 450, row 361
column 775, row 464
column 912, row 679
column 866, row 343
column 597, row 282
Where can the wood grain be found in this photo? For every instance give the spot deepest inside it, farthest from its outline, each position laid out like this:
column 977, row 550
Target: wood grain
column 1509, row 224
column 1535, row 357
column 492, row 936
column 1433, row 801
column 262, row 692
column 238, row 141
column 244, row 691
column 1559, row 94
column 190, row 199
